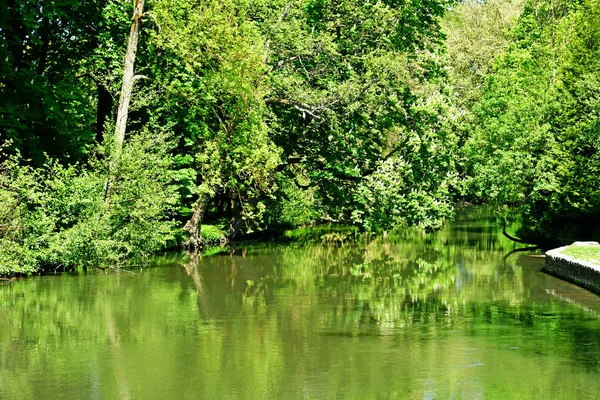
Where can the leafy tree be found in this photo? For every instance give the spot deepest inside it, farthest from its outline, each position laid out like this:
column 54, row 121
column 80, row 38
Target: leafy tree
column 302, row 96
column 44, row 104
column 210, row 77
column 125, row 95
column 58, row 216
column 534, row 149
column 477, row 33
column 343, row 95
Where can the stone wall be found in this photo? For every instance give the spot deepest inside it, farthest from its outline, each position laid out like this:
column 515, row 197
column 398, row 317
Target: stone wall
column 581, row 273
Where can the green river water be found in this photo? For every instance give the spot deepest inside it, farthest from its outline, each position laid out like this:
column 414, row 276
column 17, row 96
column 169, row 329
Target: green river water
column 443, row 316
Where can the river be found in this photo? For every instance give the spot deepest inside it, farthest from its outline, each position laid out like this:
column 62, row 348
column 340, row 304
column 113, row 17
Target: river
column 450, row 315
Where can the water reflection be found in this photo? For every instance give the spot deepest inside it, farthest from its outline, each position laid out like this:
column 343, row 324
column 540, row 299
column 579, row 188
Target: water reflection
column 414, row 316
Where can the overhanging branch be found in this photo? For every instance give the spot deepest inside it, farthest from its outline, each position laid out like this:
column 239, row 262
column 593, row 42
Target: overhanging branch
column 302, row 107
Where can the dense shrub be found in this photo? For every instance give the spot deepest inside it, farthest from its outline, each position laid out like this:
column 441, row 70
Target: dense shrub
column 57, row 216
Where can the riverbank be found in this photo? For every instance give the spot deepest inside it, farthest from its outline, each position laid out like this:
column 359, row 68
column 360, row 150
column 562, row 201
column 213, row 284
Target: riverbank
column 578, row 263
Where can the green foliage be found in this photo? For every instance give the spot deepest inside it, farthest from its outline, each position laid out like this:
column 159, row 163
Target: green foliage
column 534, row 148
column 45, row 103
column 293, row 113
column 510, row 132
column 59, row 217
column 348, row 84
column 477, row 33
column 547, row 150
column 293, row 206
column 416, row 185
column 212, row 234
column 214, row 100
column 284, row 108
column 214, row 250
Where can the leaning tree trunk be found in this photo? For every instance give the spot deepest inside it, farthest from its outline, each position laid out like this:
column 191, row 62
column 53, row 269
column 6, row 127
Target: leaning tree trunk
column 125, row 97
column 192, row 227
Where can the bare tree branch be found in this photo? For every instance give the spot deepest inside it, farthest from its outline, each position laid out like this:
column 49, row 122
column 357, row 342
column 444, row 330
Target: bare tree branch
column 302, row 107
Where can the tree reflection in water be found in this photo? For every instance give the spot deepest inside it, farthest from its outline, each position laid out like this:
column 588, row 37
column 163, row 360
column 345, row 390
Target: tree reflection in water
column 443, row 315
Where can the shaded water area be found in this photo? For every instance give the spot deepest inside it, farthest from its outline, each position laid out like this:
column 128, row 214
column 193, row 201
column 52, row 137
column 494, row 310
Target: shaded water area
column 447, row 315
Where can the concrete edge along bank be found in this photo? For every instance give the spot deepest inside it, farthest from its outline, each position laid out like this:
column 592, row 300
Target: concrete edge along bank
column 580, row 272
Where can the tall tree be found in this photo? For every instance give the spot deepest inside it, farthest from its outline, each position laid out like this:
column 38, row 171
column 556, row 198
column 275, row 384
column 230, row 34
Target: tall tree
column 128, row 76
column 534, row 150
column 126, row 89
column 210, row 72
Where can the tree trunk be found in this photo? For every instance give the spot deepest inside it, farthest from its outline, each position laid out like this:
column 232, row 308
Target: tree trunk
column 234, row 228
column 192, row 227
column 236, row 224
column 125, row 97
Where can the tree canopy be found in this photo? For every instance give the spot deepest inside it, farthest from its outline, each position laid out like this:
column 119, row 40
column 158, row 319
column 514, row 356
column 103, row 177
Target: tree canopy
column 270, row 114
column 533, row 151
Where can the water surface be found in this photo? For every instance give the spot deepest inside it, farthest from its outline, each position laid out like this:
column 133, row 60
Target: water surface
column 452, row 315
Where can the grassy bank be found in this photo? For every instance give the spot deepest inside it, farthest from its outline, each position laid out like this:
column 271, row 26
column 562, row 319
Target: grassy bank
column 589, row 252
